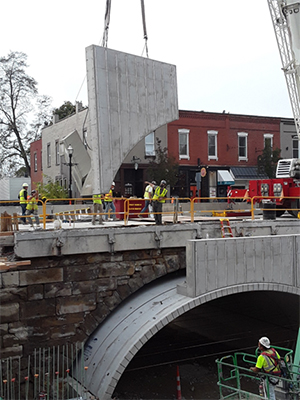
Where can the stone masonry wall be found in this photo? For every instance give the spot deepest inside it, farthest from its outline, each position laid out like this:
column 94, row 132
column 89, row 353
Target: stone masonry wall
column 56, row 301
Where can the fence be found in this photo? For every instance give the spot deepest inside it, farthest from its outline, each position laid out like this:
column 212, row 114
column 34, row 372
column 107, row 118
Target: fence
column 174, row 210
column 46, row 374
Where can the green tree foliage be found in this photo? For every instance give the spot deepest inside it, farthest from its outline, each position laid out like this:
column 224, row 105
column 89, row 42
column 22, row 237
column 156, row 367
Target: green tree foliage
column 22, row 113
column 51, row 189
column 164, row 166
column 267, row 161
column 65, row 110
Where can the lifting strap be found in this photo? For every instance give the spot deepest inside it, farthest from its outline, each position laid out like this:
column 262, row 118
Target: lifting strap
column 106, row 23
column 144, row 27
column 225, row 228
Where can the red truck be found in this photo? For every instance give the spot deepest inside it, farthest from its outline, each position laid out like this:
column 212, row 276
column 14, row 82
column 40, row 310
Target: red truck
column 284, row 189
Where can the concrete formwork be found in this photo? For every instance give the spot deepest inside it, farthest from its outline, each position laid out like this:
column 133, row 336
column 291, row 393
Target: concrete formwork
column 129, row 97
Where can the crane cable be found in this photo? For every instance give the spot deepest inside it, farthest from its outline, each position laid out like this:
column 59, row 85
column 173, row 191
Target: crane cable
column 144, row 28
column 106, row 23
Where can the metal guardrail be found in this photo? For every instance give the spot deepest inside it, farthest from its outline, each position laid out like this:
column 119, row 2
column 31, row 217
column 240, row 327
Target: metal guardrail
column 236, row 381
column 78, row 209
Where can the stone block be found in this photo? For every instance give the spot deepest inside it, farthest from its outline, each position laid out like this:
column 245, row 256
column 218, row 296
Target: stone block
column 38, row 309
column 35, row 292
column 116, row 269
column 9, row 312
column 76, row 304
column 3, row 329
column 12, row 295
column 14, row 351
column 58, row 289
column 10, row 278
column 81, row 273
column 33, row 277
column 172, row 263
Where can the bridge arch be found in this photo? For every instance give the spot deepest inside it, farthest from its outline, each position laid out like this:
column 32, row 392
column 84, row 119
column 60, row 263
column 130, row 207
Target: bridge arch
column 117, row 340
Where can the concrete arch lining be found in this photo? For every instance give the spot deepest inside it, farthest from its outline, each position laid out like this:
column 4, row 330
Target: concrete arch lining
column 116, row 341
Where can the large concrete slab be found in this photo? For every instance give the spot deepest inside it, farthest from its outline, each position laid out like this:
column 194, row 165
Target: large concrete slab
column 129, row 97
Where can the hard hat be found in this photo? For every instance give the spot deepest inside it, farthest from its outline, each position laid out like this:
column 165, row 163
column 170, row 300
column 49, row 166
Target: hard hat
column 113, row 184
column 153, row 182
column 25, row 184
column 163, row 182
column 33, row 192
column 265, row 342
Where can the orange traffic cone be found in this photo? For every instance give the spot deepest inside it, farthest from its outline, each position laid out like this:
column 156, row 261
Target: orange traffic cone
column 178, row 385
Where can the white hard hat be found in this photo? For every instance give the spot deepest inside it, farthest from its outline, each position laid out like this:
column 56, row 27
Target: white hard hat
column 113, row 184
column 265, row 342
column 25, row 184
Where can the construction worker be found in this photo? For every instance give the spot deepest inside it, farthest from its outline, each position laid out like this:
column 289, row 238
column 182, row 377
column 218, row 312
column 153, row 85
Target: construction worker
column 97, row 208
column 267, row 362
column 23, row 200
column 147, row 196
column 159, row 198
column 32, row 208
column 109, row 203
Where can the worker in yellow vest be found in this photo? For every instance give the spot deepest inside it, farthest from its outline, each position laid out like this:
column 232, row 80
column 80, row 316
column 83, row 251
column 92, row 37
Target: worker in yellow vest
column 33, row 209
column 97, row 208
column 23, row 200
column 148, row 197
column 109, row 203
column 158, row 199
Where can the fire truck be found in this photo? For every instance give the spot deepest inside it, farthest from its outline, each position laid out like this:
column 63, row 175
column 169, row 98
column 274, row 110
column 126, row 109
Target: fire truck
column 285, row 188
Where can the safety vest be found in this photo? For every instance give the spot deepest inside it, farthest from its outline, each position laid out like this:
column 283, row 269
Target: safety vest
column 108, row 196
column 97, row 198
column 32, row 204
column 158, row 193
column 147, row 192
column 22, row 198
column 272, row 360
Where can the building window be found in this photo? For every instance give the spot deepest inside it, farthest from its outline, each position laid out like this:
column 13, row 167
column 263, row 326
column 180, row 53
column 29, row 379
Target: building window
column 149, row 145
column 48, row 155
column 184, row 144
column 295, row 147
column 212, row 145
column 57, row 158
column 35, row 161
column 242, row 144
column 268, row 140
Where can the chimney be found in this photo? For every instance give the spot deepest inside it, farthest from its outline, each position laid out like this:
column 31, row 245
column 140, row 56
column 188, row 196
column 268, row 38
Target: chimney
column 79, row 106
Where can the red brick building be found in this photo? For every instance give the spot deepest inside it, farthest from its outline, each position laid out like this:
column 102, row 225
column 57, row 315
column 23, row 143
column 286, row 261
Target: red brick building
column 206, row 144
column 36, row 174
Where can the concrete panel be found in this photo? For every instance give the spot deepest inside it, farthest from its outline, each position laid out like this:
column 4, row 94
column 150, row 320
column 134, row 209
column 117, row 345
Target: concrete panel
column 129, row 97
column 214, row 264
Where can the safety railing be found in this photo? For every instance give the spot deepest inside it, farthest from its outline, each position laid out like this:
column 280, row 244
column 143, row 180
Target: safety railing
column 236, row 381
column 174, row 209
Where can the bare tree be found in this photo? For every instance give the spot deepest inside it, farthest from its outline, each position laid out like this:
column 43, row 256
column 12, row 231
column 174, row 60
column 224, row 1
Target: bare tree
column 22, row 113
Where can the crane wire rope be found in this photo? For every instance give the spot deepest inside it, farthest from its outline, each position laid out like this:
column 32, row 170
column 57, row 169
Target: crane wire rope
column 105, row 33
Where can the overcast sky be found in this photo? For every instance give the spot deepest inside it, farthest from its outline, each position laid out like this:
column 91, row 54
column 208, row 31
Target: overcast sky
column 225, row 51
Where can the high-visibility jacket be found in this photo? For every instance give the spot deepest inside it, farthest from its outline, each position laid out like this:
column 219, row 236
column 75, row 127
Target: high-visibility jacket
column 159, row 192
column 23, row 196
column 271, row 362
column 32, row 204
column 108, row 196
column 97, row 198
column 148, row 190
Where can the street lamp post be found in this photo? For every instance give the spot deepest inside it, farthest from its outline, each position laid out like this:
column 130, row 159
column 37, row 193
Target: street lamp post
column 70, row 152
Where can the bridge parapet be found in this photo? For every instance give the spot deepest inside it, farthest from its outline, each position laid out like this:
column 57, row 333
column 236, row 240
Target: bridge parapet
column 216, row 264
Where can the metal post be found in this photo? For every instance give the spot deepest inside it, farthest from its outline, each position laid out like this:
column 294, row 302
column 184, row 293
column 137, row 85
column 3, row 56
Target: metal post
column 70, row 175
